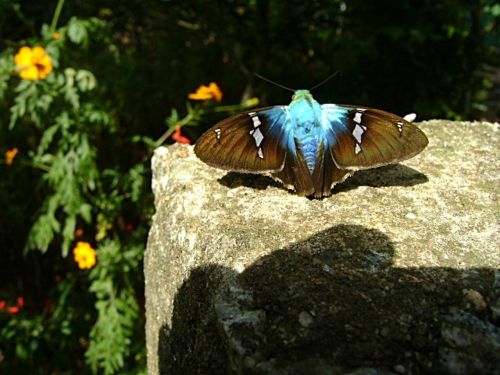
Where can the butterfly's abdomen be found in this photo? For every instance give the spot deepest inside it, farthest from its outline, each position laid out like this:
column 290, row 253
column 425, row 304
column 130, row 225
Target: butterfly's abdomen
column 309, row 137
column 307, row 130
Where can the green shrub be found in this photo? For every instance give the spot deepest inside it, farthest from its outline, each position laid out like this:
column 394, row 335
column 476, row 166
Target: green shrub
column 83, row 180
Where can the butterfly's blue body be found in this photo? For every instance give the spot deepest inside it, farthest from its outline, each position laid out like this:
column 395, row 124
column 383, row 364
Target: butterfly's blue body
column 309, row 146
column 307, row 125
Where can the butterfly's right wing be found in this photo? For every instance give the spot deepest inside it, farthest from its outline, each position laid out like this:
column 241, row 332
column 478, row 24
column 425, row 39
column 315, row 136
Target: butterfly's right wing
column 255, row 141
column 362, row 138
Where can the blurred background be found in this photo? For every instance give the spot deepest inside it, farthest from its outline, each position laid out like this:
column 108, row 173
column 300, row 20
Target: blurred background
column 88, row 89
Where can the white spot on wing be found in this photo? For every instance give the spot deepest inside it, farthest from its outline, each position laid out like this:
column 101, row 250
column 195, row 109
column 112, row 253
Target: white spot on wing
column 251, row 114
column 357, row 117
column 256, row 121
column 260, row 153
column 358, row 133
column 400, row 124
column 410, row 117
column 217, row 133
column 258, row 137
column 357, row 149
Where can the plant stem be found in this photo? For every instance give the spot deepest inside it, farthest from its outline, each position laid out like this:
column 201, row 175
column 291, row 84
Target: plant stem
column 172, row 129
column 234, row 107
column 40, row 166
column 57, row 13
column 164, row 137
column 228, row 108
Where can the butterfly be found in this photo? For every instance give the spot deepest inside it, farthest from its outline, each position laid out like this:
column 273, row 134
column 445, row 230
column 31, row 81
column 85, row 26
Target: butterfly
column 307, row 146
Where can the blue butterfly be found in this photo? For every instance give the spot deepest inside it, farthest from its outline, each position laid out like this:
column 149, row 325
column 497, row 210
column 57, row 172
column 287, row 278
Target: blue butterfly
column 307, row 146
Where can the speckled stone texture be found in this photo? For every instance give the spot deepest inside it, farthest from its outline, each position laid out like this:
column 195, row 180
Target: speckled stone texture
column 397, row 272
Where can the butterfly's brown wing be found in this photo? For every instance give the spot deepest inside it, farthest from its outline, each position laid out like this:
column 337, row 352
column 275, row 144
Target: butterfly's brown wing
column 362, row 138
column 253, row 141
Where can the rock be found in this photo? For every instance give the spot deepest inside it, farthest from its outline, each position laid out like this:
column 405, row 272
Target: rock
column 244, row 277
column 471, row 345
column 475, row 299
column 305, row 319
column 495, row 304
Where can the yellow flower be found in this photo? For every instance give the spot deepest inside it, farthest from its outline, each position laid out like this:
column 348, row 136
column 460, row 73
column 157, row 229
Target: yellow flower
column 33, row 63
column 84, row 255
column 56, row 35
column 212, row 91
column 10, row 155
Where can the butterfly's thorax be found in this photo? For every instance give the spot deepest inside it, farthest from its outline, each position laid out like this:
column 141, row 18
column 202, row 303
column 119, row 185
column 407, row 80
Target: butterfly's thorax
column 305, row 121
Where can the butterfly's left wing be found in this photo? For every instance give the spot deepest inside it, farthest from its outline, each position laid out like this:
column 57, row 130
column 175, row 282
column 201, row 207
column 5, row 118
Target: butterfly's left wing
column 362, row 138
column 253, row 141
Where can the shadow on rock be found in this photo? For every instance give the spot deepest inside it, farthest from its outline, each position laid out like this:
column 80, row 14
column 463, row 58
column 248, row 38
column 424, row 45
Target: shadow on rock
column 255, row 181
column 333, row 304
column 390, row 175
column 192, row 345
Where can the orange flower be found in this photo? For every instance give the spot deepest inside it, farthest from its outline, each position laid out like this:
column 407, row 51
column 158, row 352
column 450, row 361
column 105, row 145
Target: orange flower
column 10, row 155
column 56, row 35
column 179, row 138
column 212, row 91
column 84, row 255
column 78, row 232
column 13, row 310
column 33, row 63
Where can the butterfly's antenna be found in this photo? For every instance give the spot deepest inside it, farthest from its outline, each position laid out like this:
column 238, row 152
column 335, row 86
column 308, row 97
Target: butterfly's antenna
column 324, row 81
column 274, row 83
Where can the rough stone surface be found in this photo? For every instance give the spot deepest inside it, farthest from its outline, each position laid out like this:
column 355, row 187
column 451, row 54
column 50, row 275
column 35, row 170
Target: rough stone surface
column 393, row 274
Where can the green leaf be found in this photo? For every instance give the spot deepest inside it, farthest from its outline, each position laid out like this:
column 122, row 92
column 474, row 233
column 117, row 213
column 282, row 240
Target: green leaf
column 77, row 33
column 42, row 232
column 47, row 138
column 85, row 80
column 173, row 119
column 6, row 68
column 70, row 91
column 21, row 351
column 86, row 212
column 117, row 307
column 68, row 233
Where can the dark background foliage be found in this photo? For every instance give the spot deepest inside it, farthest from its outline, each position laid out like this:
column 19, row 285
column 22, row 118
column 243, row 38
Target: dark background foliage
column 423, row 55
column 439, row 59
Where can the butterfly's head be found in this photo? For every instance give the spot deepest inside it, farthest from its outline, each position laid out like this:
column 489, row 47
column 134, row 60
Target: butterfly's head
column 301, row 94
